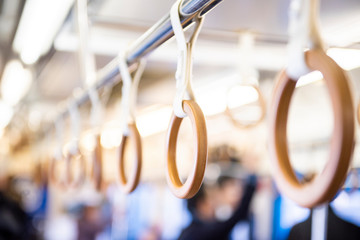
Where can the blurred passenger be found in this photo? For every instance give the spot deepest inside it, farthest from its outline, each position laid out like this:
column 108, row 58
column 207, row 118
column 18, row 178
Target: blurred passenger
column 90, row 223
column 151, row 233
column 205, row 205
column 337, row 228
column 14, row 222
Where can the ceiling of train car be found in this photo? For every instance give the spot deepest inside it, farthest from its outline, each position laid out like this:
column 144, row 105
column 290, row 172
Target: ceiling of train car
column 116, row 23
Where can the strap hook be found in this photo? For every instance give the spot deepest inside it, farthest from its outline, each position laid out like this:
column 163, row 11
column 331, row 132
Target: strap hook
column 185, row 57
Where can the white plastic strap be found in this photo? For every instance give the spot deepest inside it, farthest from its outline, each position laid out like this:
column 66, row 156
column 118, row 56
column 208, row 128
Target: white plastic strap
column 96, row 107
column 87, row 62
column 184, row 68
column 59, row 131
column 86, row 58
column 319, row 222
column 248, row 73
column 129, row 90
column 303, row 34
column 75, row 127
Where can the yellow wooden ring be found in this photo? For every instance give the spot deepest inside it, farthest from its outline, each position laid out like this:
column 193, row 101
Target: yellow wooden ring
column 325, row 185
column 52, row 174
column 358, row 113
column 96, row 170
column 129, row 185
column 194, row 180
column 73, row 182
column 262, row 105
column 41, row 172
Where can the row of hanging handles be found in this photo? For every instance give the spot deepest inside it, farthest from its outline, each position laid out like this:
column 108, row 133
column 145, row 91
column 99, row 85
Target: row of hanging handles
column 306, row 53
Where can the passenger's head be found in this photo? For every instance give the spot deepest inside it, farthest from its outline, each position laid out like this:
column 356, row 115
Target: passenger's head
column 91, row 213
column 230, row 190
column 201, row 206
column 218, row 191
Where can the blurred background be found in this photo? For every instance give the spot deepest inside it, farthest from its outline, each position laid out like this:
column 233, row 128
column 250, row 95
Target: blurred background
column 242, row 44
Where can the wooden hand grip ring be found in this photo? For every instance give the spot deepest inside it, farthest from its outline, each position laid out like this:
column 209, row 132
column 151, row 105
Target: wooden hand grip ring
column 194, row 180
column 262, row 105
column 52, row 175
column 129, row 185
column 324, row 186
column 80, row 180
column 96, row 171
column 358, row 113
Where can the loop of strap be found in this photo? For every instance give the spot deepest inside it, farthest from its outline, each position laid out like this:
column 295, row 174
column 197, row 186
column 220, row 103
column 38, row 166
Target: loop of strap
column 248, row 73
column 184, row 68
column 129, row 90
column 73, row 181
column 75, row 127
column 97, row 110
column 59, row 132
column 304, row 34
column 58, row 154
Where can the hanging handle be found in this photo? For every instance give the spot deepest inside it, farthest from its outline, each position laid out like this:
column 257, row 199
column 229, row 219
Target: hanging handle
column 74, row 152
column 75, row 127
column 58, row 155
column 96, row 116
column 88, row 70
column 184, row 105
column 249, row 78
column 59, row 132
column 128, row 103
column 326, row 184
